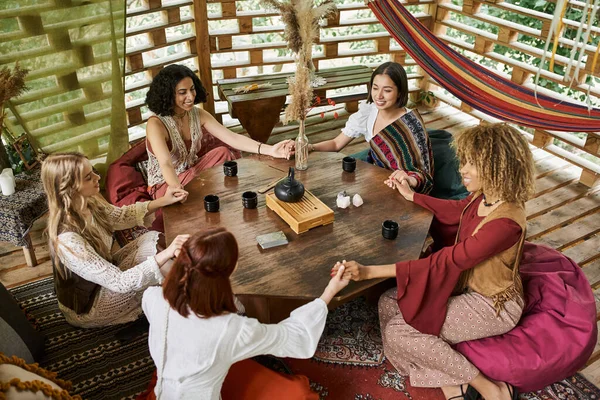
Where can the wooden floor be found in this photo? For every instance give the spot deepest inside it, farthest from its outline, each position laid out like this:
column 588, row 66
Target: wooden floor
column 564, row 214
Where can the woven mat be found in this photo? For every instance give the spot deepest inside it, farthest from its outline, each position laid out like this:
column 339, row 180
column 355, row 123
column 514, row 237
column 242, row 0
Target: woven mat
column 348, row 364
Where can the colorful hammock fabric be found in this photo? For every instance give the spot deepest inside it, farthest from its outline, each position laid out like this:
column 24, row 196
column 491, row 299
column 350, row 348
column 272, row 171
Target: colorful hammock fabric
column 477, row 86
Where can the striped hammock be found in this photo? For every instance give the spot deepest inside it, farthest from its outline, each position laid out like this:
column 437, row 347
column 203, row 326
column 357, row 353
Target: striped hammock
column 477, row 86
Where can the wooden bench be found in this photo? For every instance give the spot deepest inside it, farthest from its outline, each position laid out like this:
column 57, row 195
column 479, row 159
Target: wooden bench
column 258, row 111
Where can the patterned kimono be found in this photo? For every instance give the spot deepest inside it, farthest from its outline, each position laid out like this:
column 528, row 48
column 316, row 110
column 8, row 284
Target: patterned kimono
column 403, row 144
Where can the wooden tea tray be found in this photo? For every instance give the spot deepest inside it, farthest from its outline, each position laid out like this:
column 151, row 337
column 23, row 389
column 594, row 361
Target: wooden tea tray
column 303, row 215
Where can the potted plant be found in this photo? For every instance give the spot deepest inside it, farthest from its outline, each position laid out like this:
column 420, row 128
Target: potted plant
column 428, row 99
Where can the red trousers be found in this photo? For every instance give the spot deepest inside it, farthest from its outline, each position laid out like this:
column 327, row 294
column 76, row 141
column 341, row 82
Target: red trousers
column 216, row 156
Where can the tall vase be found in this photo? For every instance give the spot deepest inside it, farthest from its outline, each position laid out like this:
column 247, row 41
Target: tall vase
column 301, row 149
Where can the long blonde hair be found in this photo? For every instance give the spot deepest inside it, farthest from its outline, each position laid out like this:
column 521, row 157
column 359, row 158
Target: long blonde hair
column 62, row 177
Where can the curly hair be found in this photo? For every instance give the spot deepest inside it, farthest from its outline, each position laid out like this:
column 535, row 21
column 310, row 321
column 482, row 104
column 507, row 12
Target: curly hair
column 397, row 74
column 502, row 158
column 161, row 95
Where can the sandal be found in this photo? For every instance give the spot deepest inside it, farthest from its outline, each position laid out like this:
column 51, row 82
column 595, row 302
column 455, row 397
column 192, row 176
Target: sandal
column 470, row 394
column 514, row 393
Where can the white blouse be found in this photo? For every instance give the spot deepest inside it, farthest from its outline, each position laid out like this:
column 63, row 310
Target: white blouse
column 361, row 123
column 133, row 269
column 199, row 351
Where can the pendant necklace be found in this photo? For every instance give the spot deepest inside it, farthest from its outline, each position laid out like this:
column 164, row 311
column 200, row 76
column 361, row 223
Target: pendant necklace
column 485, row 203
column 179, row 120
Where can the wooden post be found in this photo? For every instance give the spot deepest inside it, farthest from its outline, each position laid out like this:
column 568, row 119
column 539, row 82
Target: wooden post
column 203, row 51
column 29, row 252
column 383, row 45
column 519, row 75
column 507, row 35
column 542, row 139
column 439, row 16
column 592, row 144
column 482, row 45
column 399, row 57
column 589, row 178
column 471, row 6
column 228, row 9
column 331, row 50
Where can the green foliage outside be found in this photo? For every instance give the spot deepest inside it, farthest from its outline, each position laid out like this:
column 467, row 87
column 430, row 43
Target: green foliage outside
column 569, row 33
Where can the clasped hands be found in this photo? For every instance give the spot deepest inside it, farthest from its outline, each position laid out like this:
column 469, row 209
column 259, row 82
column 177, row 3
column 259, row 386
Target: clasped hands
column 284, row 149
column 175, row 194
column 352, row 270
column 400, row 180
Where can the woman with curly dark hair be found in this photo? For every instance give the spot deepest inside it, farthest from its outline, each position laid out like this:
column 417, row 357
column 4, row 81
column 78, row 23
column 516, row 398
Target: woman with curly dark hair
column 174, row 134
column 471, row 288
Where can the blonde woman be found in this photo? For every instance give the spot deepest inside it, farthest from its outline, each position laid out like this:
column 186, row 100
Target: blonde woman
column 96, row 287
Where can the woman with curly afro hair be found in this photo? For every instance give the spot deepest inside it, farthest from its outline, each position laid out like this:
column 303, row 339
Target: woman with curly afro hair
column 471, row 288
column 174, row 134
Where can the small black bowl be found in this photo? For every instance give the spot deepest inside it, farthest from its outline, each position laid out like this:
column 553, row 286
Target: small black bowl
column 230, row 168
column 349, row 164
column 249, row 199
column 389, row 229
column 211, row 203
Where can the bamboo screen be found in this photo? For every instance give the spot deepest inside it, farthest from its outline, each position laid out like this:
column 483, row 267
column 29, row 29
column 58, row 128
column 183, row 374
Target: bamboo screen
column 241, row 38
column 74, row 51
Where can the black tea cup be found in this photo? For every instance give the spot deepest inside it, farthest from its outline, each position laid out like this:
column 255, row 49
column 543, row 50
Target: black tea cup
column 349, row 164
column 230, row 168
column 249, row 199
column 211, row 203
column 389, row 229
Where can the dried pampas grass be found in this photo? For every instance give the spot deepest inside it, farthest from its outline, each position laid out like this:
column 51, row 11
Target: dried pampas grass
column 12, row 84
column 301, row 19
column 302, row 95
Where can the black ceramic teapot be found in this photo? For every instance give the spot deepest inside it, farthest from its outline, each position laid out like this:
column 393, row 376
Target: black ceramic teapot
column 288, row 189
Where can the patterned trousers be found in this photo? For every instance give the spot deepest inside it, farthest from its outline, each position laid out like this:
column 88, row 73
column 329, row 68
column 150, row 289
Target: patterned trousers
column 429, row 360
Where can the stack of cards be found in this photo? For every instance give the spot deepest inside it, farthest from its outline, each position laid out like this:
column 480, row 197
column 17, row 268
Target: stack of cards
column 272, row 239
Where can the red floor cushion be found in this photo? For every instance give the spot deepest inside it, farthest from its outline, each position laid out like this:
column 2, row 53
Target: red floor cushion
column 557, row 332
column 125, row 184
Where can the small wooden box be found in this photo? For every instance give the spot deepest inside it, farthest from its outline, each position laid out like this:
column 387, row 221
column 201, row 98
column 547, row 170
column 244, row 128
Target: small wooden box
column 303, row 215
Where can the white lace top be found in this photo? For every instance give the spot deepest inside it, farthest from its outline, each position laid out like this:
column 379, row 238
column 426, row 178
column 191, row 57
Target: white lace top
column 180, row 156
column 133, row 269
column 199, row 351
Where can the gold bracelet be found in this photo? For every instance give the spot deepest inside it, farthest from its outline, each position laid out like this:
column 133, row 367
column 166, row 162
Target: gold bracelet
column 259, row 144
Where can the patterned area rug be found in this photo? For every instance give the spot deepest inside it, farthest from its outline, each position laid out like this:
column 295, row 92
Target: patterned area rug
column 349, row 363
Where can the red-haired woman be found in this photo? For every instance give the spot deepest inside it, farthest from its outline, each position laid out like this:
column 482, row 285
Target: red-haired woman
column 196, row 335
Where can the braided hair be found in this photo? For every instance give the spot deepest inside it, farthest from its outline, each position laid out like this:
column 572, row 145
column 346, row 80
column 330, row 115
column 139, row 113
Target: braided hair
column 199, row 280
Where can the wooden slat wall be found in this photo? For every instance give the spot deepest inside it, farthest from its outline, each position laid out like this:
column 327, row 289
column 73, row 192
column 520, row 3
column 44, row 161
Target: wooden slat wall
column 511, row 34
column 71, row 93
column 229, row 53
